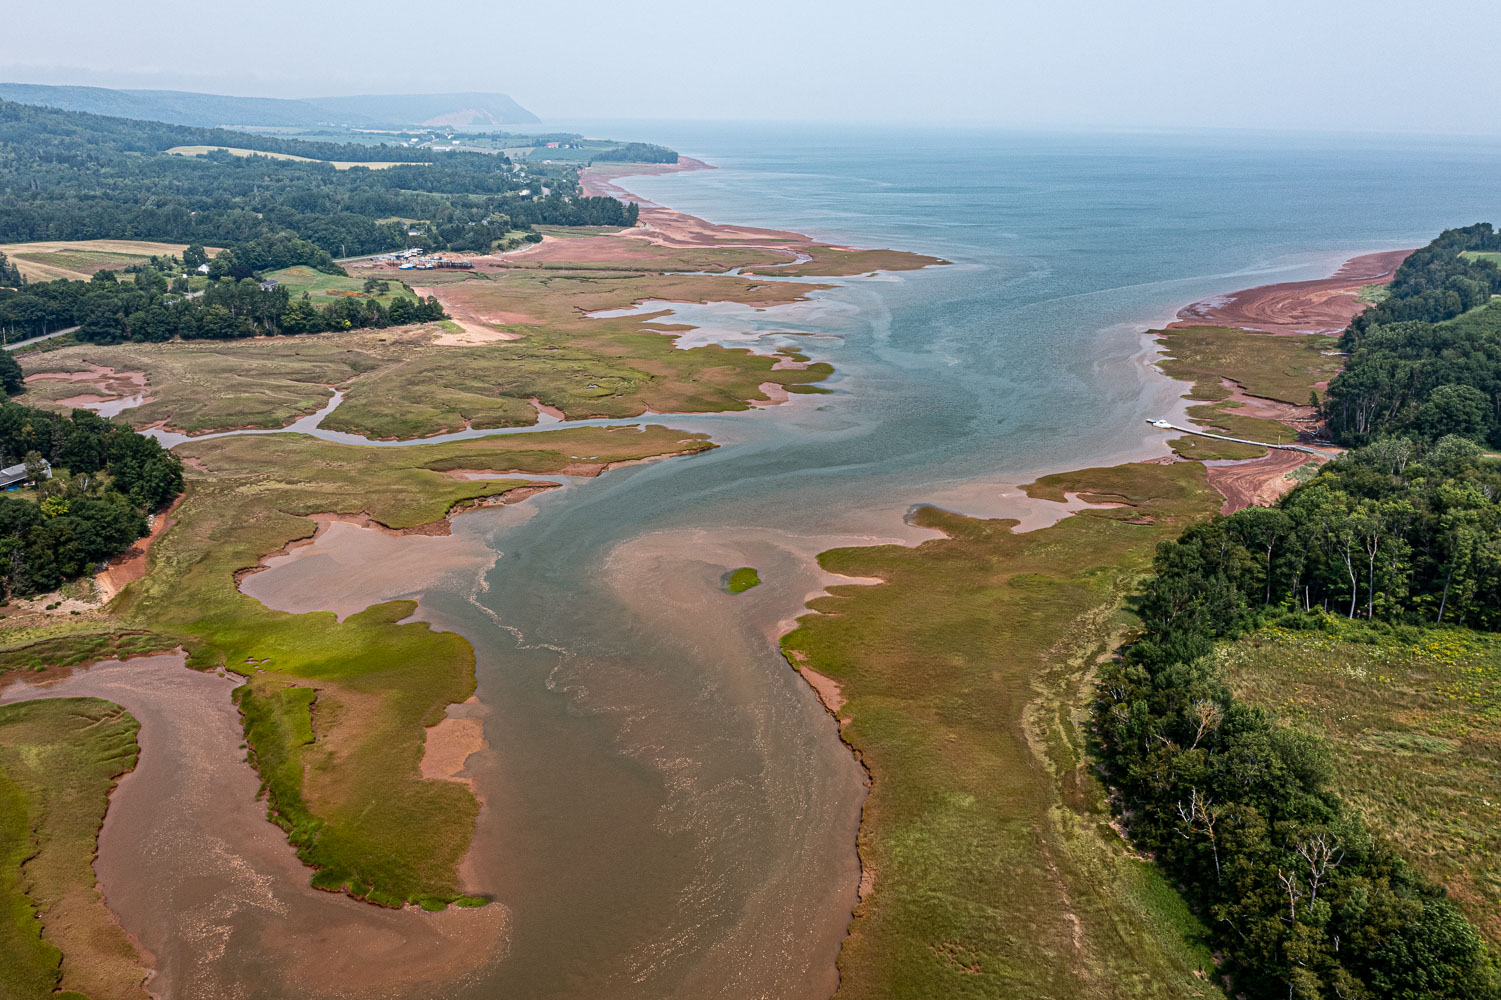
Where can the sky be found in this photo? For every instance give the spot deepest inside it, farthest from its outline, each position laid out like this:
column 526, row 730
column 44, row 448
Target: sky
column 1384, row 65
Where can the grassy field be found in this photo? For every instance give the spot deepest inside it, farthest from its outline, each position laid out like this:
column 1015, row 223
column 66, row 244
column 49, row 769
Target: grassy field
column 1273, row 367
column 79, row 259
column 966, row 679
column 337, row 164
column 336, row 712
column 59, row 759
column 1414, row 720
column 325, row 288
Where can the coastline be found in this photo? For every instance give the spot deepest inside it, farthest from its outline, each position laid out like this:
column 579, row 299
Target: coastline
column 1284, row 308
column 845, row 610
column 668, row 228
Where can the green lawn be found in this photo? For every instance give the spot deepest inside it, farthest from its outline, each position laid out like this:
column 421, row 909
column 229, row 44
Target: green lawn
column 59, row 759
column 325, row 288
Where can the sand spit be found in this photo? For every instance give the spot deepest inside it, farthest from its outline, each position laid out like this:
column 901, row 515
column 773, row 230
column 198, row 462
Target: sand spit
column 211, row 891
column 1323, row 305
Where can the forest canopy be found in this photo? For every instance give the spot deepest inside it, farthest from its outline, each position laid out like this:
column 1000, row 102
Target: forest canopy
column 104, row 479
column 69, row 175
column 1426, row 361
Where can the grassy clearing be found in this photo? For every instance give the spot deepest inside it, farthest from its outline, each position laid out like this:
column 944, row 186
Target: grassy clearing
column 325, row 288
column 335, row 712
column 59, row 758
column 967, row 677
column 738, row 581
column 610, row 252
column 1273, row 367
column 1414, row 718
column 337, row 164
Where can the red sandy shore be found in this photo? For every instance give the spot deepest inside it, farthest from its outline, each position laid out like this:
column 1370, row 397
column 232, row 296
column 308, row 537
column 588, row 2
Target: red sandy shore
column 673, row 228
column 1324, row 305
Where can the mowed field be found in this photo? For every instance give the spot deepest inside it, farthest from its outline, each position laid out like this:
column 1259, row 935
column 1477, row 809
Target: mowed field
column 337, row 164
column 325, row 288
column 80, row 259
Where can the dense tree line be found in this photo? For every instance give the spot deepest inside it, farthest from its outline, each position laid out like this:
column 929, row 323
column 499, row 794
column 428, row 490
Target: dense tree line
column 67, row 175
column 107, row 310
column 1301, row 899
column 1426, row 361
column 639, row 152
column 1396, row 531
column 105, row 478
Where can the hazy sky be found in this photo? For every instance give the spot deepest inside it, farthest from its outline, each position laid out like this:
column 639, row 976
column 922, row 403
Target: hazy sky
column 1339, row 64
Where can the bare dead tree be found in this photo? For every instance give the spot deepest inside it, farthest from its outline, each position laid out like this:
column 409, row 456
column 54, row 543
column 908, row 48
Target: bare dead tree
column 1323, row 852
column 1294, row 891
column 1206, row 713
column 1199, row 815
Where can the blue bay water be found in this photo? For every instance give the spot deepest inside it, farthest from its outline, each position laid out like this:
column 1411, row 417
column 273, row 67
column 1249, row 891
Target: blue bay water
column 669, row 811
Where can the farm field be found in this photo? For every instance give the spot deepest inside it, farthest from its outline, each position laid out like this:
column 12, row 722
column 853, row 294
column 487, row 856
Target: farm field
column 1413, row 717
column 80, row 259
column 337, row 164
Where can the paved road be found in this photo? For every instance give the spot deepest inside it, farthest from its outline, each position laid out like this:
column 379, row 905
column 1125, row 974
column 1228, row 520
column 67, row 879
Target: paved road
column 37, row 340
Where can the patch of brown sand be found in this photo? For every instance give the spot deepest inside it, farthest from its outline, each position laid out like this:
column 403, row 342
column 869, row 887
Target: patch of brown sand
column 450, row 744
column 351, row 563
column 473, row 329
column 1256, row 482
column 108, row 384
column 775, row 392
column 827, row 689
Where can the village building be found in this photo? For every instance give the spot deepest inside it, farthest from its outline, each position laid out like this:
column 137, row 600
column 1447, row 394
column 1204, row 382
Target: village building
column 15, row 476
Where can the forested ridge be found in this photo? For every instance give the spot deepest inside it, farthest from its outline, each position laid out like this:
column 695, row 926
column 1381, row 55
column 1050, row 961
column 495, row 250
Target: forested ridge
column 1401, row 535
column 71, row 175
column 1426, row 361
column 104, row 479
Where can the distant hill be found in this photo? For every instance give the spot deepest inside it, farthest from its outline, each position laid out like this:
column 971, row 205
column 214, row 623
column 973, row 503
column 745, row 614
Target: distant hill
column 180, row 107
column 458, row 110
